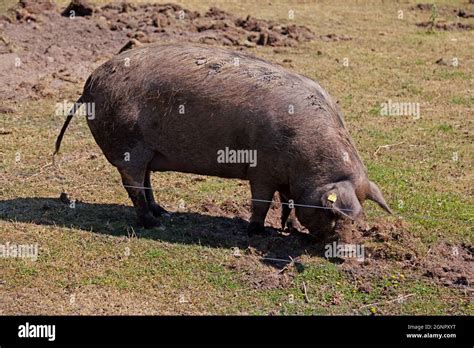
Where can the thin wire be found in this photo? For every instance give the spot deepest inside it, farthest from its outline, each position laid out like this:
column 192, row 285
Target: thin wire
column 298, row 205
column 138, row 187
column 425, row 217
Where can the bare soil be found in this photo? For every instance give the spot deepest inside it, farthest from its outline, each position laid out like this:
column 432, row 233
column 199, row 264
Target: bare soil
column 44, row 49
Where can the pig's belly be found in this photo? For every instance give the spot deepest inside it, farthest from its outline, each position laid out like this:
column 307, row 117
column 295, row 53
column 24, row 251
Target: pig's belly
column 201, row 143
column 206, row 165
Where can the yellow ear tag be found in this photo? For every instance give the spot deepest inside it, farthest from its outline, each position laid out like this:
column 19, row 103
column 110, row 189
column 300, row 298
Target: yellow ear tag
column 332, row 197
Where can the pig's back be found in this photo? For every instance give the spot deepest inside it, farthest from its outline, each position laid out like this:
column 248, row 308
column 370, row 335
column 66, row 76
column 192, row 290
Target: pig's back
column 208, row 74
column 190, row 101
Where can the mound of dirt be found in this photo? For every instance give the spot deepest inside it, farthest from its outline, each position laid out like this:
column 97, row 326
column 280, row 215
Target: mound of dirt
column 44, row 50
column 451, row 265
column 388, row 243
column 463, row 14
column 35, row 7
column 446, row 26
column 78, row 8
column 422, row 7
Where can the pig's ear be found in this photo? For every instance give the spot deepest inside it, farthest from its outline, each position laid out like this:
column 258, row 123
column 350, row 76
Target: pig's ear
column 374, row 194
column 341, row 198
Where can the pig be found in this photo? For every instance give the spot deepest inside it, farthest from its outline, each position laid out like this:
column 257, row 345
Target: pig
column 177, row 107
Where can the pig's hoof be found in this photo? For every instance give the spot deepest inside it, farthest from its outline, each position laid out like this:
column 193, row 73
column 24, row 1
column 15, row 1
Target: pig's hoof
column 149, row 221
column 158, row 211
column 291, row 227
column 255, row 229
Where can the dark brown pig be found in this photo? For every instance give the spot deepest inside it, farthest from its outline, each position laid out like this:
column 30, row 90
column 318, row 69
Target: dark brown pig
column 210, row 111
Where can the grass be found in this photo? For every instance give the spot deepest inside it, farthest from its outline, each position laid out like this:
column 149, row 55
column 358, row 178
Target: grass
column 94, row 261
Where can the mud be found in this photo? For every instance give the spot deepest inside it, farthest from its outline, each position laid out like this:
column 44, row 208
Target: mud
column 45, row 50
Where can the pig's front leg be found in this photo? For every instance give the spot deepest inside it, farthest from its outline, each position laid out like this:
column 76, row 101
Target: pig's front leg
column 285, row 212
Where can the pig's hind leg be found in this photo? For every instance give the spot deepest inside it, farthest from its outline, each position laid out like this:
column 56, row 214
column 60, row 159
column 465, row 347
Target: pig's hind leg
column 156, row 209
column 133, row 179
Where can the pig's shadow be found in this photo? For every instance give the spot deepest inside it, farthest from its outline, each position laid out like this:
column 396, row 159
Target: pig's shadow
column 183, row 228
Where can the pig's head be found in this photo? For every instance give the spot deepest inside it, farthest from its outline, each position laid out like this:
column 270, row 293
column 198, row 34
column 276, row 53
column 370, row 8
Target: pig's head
column 337, row 201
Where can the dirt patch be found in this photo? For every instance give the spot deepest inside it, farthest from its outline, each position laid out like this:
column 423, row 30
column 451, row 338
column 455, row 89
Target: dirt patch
column 463, row 14
column 441, row 61
column 385, row 244
column 382, row 240
column 258, row 275
column 44, row 50
column 445, row 10
column 445, row 18
column 445, row 26
column 451, row 265
column 334, row 37
column 388, row 244
column 422, row 7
